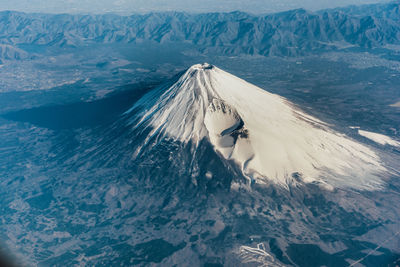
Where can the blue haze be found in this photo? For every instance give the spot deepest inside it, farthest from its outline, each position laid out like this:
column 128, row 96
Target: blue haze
column 140, row 6
column 72, row 194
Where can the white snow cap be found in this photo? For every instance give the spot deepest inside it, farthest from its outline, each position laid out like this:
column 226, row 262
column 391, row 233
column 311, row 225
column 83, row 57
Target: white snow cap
column 265, row 134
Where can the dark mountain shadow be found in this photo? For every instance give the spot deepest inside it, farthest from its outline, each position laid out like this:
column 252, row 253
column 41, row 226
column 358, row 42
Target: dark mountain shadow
column 81, row 114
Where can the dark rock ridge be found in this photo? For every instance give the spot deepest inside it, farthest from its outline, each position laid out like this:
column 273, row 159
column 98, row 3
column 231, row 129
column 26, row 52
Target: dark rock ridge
column 290, row 33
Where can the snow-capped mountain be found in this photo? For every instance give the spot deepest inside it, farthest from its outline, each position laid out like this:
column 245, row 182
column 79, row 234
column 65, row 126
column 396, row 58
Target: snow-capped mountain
column 265, row 135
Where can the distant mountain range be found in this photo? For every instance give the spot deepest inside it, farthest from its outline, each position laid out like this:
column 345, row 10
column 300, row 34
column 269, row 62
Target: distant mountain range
column 290, row 33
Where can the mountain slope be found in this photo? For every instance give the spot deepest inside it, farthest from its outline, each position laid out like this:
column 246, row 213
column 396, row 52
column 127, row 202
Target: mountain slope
column 288, row 33
column 8, row 52
column 266, row 136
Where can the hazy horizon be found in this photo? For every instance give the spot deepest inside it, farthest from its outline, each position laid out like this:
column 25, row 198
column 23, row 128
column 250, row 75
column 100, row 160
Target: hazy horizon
column 125, row 7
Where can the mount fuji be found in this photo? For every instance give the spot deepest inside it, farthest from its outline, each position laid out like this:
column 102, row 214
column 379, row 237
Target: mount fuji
column 266, row 137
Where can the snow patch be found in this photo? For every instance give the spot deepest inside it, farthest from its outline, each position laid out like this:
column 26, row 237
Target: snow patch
column 379, row 138
column 395, row 105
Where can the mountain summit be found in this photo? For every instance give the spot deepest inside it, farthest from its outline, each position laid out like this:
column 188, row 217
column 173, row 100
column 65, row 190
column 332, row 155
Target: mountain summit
column 267, row 136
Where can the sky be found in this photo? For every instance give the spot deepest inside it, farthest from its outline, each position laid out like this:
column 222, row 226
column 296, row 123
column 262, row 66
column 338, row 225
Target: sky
column 195, row 6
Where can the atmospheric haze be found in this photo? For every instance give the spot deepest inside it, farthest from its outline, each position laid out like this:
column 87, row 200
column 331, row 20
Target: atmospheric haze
column 142, row 6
